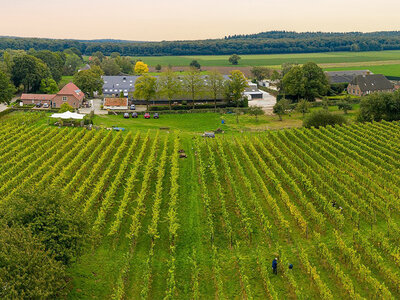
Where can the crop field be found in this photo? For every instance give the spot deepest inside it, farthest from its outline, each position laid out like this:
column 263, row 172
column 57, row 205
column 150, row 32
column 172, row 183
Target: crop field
column 208, row 226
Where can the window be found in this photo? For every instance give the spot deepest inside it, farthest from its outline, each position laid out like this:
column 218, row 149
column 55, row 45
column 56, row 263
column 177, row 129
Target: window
column 64, row 98
column 106, row 90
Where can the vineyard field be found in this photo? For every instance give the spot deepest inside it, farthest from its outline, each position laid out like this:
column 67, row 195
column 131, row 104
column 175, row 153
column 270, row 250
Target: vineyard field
column 208, row 226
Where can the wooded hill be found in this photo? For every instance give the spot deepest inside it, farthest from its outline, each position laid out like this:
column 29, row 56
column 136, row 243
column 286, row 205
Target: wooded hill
column 272, row 42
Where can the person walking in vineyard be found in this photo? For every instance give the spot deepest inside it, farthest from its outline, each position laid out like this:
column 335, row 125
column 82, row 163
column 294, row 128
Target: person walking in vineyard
column 275, row 266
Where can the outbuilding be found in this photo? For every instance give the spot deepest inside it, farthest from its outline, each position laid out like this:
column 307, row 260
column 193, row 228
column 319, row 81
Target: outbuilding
column 115, row 103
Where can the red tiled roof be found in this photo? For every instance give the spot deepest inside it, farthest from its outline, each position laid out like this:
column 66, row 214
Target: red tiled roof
column 115, row 101
column 71, row 89
column 37, row 96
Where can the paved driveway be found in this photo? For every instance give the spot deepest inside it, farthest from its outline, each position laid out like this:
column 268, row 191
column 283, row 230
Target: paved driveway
column 2, row 107
column 266, row 103
column 95, row 106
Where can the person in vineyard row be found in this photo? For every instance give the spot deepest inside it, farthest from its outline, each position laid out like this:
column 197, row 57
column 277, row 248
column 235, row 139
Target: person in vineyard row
column 275, row 266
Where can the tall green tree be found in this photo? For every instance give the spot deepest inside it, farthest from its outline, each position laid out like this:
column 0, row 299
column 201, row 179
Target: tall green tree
column 110, row 67
column 194, row 84
column 90, row 81
column 238, row 84
column 281, row 107
column 260, row 73
column 169, row 85
column 48, row 86
column 293, row 82
column 72, row 63
column 145, row 88
column 29, row 71
column 234, row 59
column 53, row 60
column 125, row 63
column 7, row 89
column 215, row 85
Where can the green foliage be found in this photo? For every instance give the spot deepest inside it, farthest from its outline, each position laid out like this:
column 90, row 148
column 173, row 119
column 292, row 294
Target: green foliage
column 307, row 81
column 48, row 86
column 90, row 81
column 193, row 83
column 322, row 118
column 237, row 85
column 145, row 88
column 66, row 107
column 380, row 106
column 158, row 67
column 345, row 105
column 72, row 63
column 27, row 270
column 195, row 64
column 28, row 71
column 281, row 107
column 255, row 111
column 234, row 59
column 54, row 60
column 215, row 85
column 261, row 73
column 126, row 64
column 51, row 218
column 303, row 106
column 7, row 89
column 169, row 85
column 110, row 67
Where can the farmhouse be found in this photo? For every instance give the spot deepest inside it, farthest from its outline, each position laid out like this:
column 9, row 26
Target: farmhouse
column 70, row 94
column 252, row 92
column 115, row 103
column 345, row 76
column 363, row 85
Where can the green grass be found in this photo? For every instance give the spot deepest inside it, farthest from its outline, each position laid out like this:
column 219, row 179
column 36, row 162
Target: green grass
column 388, row 70
column 275, row 59
column 64, row 80
column 196, row 123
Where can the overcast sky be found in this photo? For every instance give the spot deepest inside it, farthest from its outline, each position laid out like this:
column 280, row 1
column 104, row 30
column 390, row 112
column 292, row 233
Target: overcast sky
column 154, row 20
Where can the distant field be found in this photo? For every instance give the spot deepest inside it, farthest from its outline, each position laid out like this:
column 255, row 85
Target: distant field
column 276, row 59
column 388, row 70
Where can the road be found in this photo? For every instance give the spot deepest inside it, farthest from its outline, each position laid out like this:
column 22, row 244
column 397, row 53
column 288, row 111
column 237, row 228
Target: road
column 2, row 107
column 266, row 103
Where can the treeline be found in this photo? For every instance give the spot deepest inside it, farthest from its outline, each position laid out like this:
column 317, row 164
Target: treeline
column 273, row 42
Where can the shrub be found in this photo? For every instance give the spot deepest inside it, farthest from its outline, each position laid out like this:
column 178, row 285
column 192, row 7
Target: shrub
column 50, row 217
column 380, row 106
column 322, row 118
column 66, row 107
column 27, row 270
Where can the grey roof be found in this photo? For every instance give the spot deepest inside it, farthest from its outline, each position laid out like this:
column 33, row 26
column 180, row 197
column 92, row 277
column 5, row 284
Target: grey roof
column 117, row 84
column 371, row 83
column 345, row 76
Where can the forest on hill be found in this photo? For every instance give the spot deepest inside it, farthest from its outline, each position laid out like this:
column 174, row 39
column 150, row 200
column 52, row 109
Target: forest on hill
column 272, row 42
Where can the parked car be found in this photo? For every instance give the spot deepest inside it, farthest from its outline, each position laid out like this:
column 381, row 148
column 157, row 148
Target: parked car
column 126, row 115
column 156, row 116
column 38, row 104
column 147, row 116
column 133, row 107
column 45, row 105
column 134, row 115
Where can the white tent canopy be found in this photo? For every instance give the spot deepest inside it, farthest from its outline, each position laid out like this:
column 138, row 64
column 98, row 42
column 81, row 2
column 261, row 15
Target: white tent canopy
column 68, row 115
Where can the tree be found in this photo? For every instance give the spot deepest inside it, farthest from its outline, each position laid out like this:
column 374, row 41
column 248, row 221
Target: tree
column 110, row 67
column 90, row 81
column 169, row 85
column 281, row 107
column 51, row 218
column 322, row 118
column 66, row 107
column 255, row 111
column 141, row 68
column 345, row 105
column 238, row 84
column 260, row 73
column 215, row 85
column 193, row 83
column 54, row 61
column 125, row 64
column 303, row 106
column 380, row 106
column 27, row 269
column 72, row 63
column 145, row 88
column 158, row 67
column 307, row 81
column 29, row 71
column 115, row 55
column 48, row 86
column 7, row 89
column 99, row 55
column 195, row 64
column 325, row 103
column 234, row 59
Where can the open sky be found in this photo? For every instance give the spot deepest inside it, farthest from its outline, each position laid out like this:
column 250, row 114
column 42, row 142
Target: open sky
column 155, row 20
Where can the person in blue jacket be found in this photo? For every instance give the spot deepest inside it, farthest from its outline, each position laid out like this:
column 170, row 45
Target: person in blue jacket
column 275, row 266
